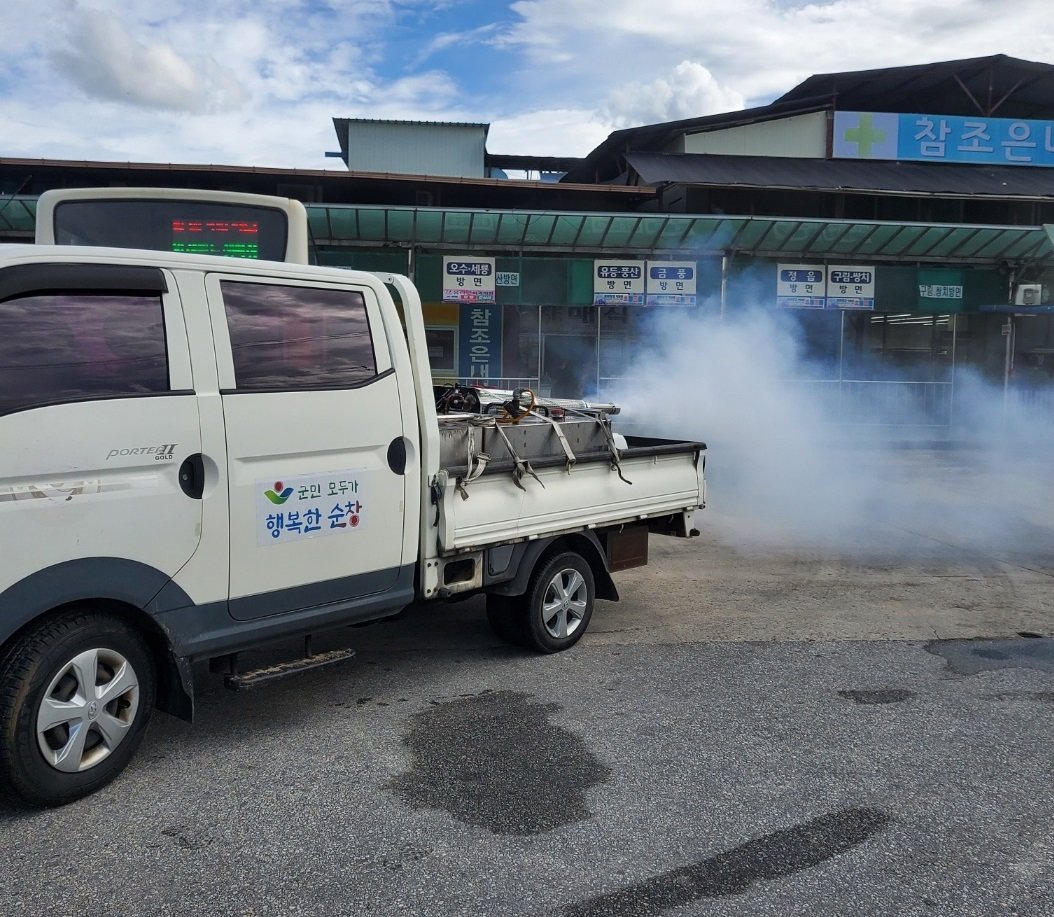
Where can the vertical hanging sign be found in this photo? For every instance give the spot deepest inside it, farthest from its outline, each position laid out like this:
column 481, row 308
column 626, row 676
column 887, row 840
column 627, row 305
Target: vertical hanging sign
column 618, row 283
column 670, row 283
column 468, row 279
column 801, row 286
column 479, row 342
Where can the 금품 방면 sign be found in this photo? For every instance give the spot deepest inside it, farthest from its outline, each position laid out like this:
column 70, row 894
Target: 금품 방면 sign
column 670, row 283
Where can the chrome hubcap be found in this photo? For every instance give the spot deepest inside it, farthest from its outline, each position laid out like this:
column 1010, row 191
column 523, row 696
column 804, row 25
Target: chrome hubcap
column 87, row 710
column 564, row 603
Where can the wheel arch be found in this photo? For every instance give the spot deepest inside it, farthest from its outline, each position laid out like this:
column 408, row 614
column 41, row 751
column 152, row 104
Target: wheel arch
column 586, row 544
column 125, row 589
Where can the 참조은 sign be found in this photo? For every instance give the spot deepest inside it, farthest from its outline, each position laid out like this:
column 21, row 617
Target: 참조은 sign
column 801, row 286
column 479, row 341
column 943, row 138
column 468, row 279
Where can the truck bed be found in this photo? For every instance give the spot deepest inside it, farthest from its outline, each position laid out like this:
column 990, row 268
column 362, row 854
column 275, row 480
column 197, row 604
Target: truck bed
column 653, row 478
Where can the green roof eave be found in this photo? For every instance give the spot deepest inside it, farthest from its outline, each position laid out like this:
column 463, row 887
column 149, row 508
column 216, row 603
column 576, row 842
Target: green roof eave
column 338, row 225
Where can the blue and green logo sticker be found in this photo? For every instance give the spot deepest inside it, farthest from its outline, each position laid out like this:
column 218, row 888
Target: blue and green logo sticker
column 279, row 495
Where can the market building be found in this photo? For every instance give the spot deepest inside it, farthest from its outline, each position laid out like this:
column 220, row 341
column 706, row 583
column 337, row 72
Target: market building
column 901, row 217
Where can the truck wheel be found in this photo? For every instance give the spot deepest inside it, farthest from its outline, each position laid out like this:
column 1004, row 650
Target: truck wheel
column 505, row 618
column 76, row 693
column 558, row 604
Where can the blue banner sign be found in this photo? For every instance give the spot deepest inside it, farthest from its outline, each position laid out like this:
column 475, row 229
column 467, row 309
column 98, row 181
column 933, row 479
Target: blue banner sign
column 943, row 138
column 479, row 342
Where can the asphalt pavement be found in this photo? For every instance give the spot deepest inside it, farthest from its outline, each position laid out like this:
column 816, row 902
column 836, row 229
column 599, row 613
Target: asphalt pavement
column 770, row 722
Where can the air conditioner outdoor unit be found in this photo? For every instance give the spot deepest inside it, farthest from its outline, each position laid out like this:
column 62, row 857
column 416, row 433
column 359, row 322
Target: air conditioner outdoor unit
column 1028, row 294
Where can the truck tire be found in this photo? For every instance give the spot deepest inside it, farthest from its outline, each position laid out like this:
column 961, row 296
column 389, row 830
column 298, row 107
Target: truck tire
column 505, row 617
column 76, row 693
column 558, row 604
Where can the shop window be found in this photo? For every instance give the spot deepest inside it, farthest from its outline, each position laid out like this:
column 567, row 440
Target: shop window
column 442, row 350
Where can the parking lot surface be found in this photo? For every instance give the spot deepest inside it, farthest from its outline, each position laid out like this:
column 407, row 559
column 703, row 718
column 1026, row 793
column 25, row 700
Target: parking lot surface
column 778, row 718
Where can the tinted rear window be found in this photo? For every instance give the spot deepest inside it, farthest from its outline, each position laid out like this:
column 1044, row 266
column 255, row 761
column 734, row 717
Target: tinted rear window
column 79, row 346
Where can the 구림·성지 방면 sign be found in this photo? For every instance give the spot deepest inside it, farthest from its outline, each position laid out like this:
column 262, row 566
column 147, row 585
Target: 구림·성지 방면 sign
column 851, row 287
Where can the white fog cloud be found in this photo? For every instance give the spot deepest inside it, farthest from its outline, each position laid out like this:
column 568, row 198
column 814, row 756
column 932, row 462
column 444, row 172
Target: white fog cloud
column 782, row 463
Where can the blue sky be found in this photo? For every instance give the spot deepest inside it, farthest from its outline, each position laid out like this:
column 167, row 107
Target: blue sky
column 258, row 83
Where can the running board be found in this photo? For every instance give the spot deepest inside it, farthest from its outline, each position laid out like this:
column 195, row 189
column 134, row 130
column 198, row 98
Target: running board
column 240, row 681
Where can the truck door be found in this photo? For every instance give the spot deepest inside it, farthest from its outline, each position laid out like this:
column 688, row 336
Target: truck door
column 99, row 431
column 314, row 432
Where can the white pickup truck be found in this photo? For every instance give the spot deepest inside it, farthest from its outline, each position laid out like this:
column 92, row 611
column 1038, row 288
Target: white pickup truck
column 199, row 455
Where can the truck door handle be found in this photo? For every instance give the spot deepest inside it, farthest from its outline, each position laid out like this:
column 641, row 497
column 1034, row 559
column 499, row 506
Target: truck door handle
column 192, row 476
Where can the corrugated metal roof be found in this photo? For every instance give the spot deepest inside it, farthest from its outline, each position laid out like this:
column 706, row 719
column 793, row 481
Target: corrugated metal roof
column 482, row 124
column 915, row 178
column 994, row 86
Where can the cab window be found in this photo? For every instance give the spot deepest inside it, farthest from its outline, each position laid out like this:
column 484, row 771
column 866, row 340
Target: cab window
column 290, row 337
column 80, row 346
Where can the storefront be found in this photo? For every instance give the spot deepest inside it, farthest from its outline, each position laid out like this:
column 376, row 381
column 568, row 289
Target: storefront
column 568, row 297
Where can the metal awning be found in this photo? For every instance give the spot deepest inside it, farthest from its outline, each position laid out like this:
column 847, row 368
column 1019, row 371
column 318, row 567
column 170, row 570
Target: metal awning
column 351, row 225
column 338, row 225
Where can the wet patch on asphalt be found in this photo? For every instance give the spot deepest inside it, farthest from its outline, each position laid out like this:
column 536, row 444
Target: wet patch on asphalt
column 1042, row 697
column 773, row 856
column 886, row 696
column 968, row 657
column 496, row 761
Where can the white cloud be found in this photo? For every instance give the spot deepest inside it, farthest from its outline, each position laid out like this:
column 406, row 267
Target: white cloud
column 550, row 132
column 688, row 91
column 762, row 48
column 259, row 80
column 105, row 61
